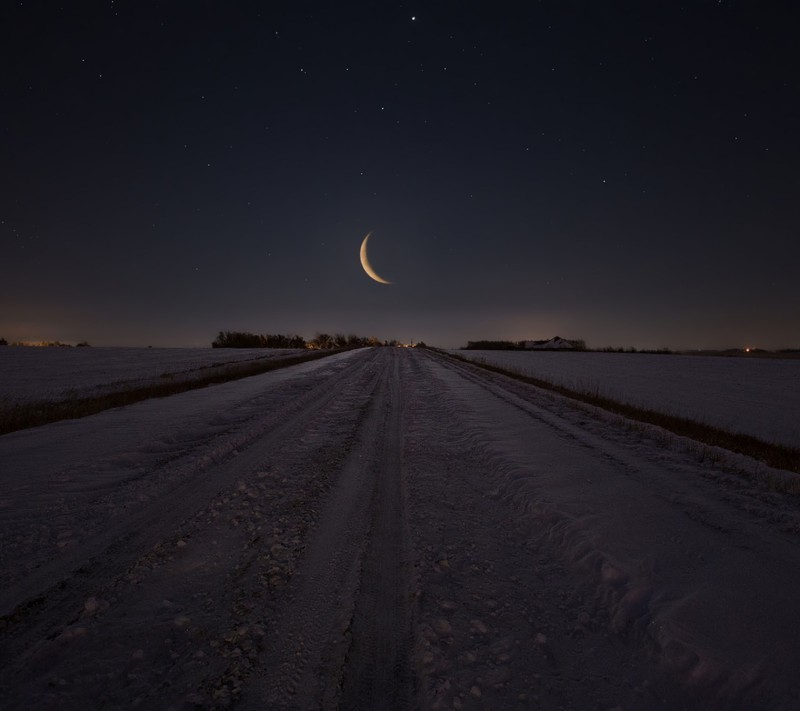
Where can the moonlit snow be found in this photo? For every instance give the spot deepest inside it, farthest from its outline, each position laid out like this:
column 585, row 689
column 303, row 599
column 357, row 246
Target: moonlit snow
column 36, row 374
column 388, row 528
column 756, row 396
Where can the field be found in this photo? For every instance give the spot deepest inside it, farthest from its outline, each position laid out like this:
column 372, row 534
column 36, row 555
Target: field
column 758, row 397
column 42, row 374
column 384, row 528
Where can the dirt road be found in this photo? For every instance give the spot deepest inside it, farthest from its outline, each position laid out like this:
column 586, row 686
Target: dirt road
column 386, row 529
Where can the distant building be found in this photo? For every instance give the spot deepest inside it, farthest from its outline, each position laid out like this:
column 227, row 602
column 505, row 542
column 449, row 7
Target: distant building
column 554, row 344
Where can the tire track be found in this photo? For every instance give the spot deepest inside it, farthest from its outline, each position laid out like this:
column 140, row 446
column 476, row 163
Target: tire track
column 40, row 604
column 503, row 624
column 342, row 636
column 674, row 553
column 379, row 666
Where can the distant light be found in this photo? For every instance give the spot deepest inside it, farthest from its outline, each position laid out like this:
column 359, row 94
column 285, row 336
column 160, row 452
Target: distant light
column 746, row 350
column 413, row 17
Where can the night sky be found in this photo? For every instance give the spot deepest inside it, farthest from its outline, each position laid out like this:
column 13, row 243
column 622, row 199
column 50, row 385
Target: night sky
column 621, row 172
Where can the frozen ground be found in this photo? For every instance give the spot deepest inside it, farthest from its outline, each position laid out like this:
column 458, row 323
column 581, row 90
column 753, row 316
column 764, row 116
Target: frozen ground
column 755, row 396
column 30, row 374
column 387, row 529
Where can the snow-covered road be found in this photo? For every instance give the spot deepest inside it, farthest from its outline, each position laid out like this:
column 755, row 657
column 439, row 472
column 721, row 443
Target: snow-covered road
column 386, row 529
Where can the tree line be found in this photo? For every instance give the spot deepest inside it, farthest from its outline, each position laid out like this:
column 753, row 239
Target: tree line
column 49, row 344
column 245, row 339
column 493, row 346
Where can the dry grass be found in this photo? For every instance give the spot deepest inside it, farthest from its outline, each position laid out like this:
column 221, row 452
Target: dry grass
column 774, row 455
column 22, row 416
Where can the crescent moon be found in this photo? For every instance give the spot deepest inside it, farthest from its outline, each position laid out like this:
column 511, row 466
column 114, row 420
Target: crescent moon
column 367, row 266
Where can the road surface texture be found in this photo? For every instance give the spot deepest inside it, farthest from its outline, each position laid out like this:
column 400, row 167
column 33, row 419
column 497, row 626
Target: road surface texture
column 387, row 529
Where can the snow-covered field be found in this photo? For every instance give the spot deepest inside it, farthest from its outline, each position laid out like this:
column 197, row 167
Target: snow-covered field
column 29, row 374
column 387, row 529
column 758, row 396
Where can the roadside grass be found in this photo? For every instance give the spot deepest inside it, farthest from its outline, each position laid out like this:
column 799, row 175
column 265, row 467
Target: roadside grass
column 772, row 454
column 20, row 416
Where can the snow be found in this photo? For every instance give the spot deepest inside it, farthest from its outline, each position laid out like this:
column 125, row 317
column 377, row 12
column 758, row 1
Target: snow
column 755, row 396
column 35, row 374
column 387, row 524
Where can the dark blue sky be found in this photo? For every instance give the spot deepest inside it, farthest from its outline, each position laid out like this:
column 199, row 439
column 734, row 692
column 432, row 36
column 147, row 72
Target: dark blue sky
column 621, row 172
